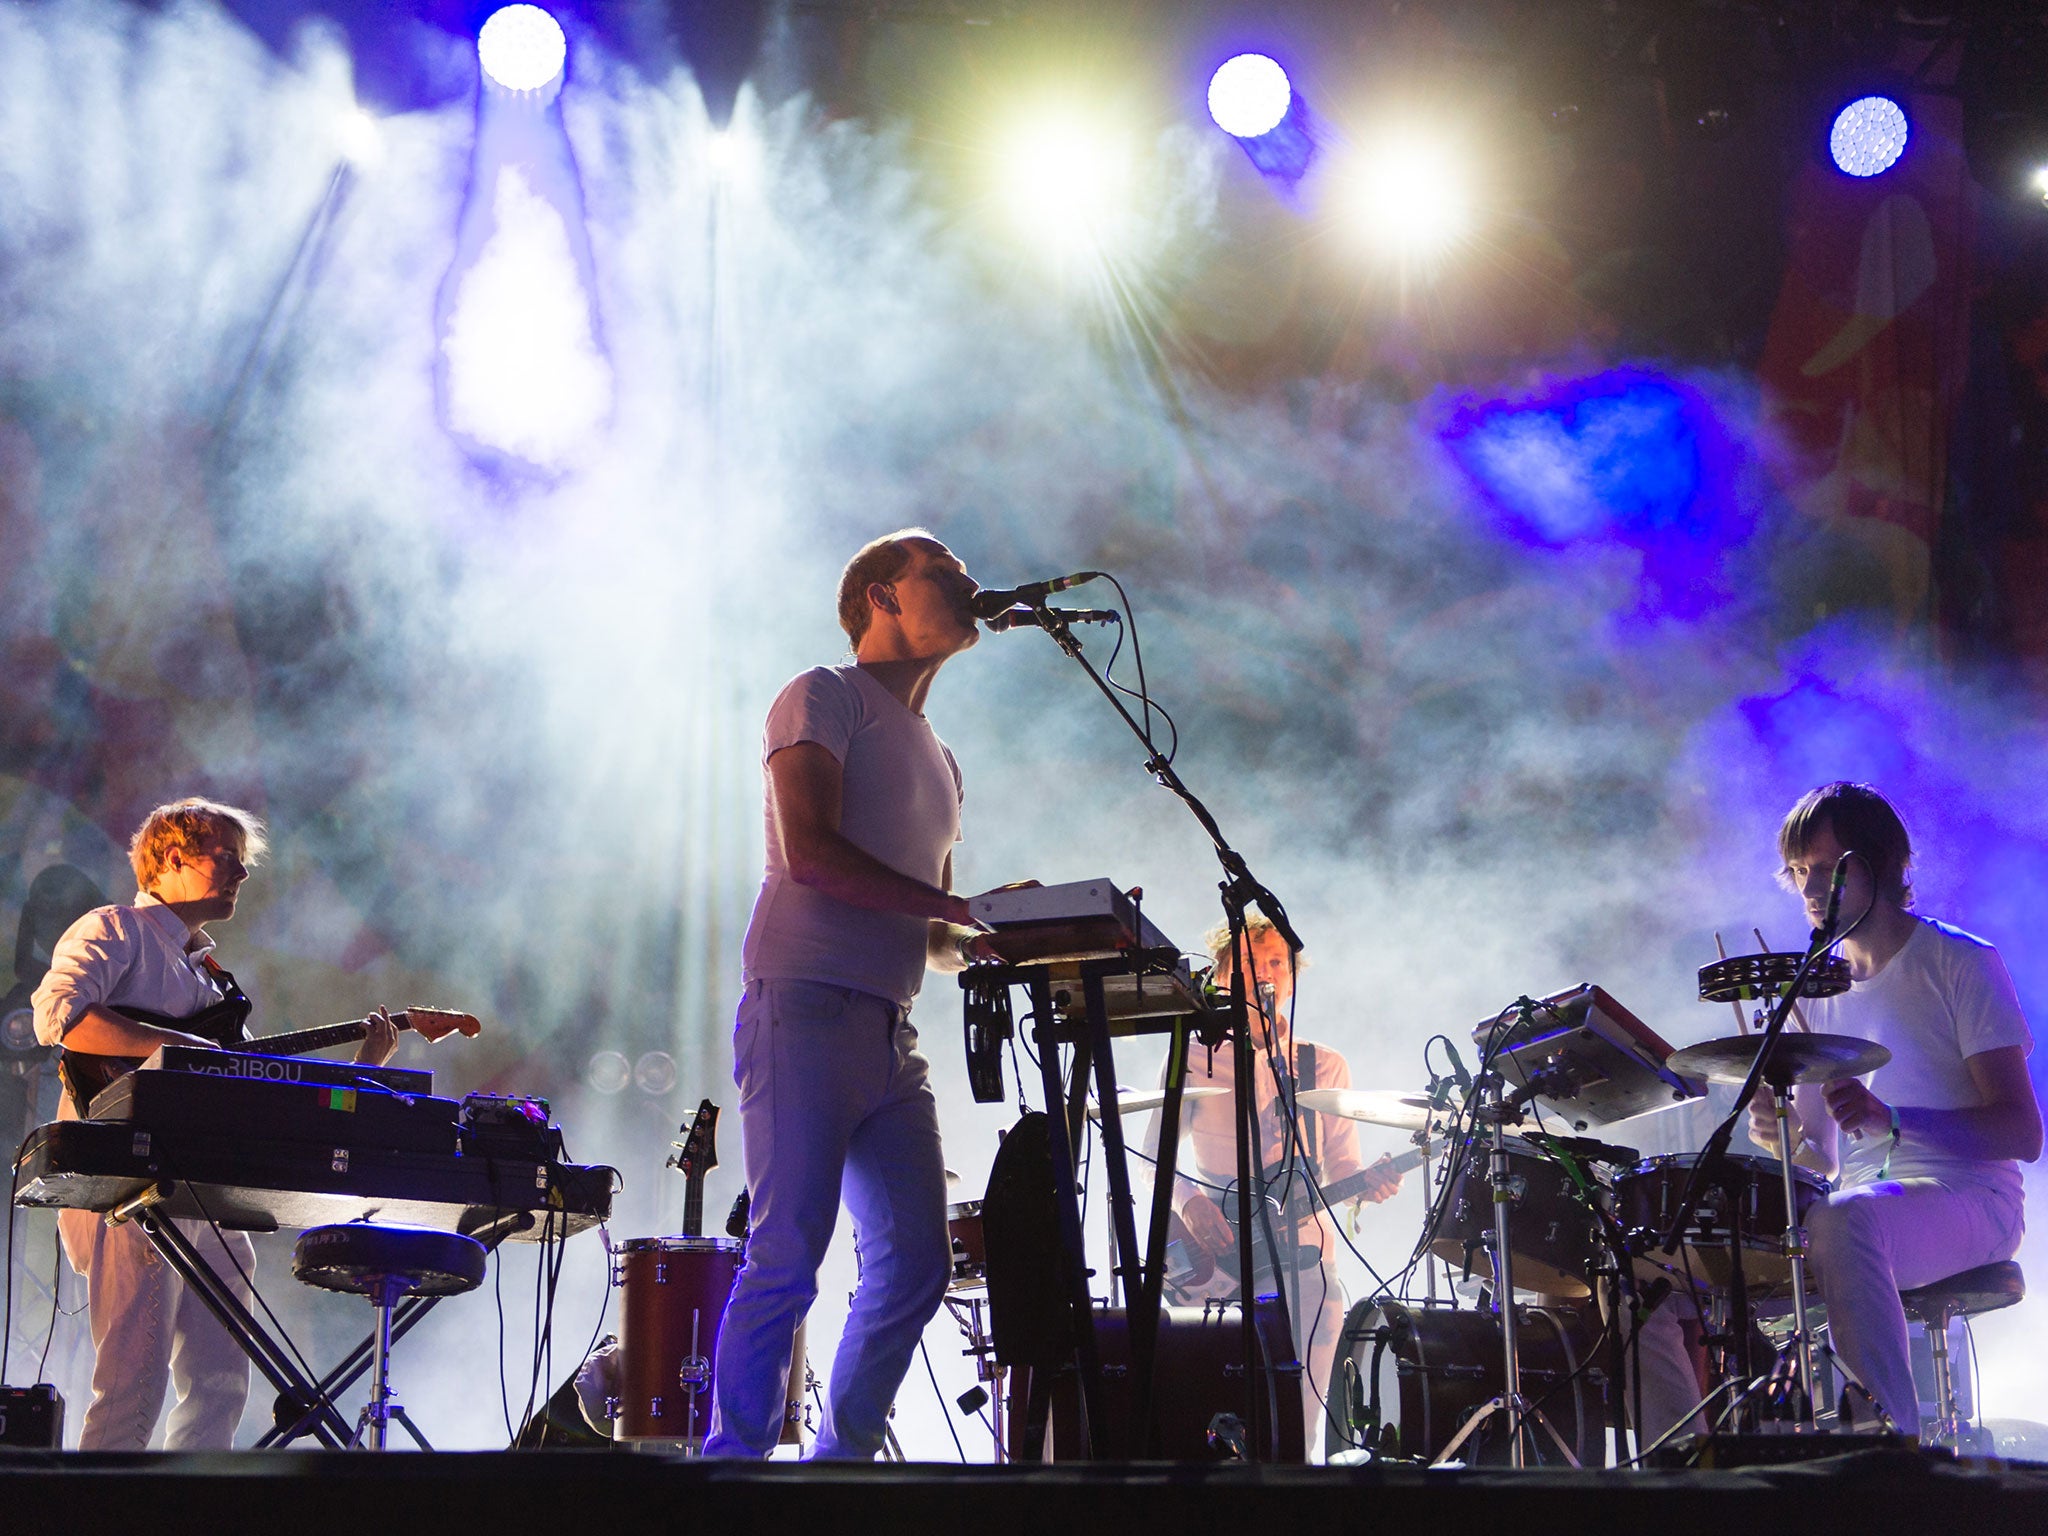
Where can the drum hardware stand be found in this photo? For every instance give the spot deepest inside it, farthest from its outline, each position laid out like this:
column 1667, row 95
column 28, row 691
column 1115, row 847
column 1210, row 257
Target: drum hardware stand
column 1714, row 1158
column 1498, row 1106
column 694, row 1375
column 967, row 1316
column 1240, row 891
column 1801, row 1341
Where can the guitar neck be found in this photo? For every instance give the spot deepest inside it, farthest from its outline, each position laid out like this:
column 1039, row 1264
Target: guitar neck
column 300, row 1041
column 1365, row 1178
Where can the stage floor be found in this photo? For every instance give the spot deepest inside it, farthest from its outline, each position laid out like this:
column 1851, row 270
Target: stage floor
column 313, row 1493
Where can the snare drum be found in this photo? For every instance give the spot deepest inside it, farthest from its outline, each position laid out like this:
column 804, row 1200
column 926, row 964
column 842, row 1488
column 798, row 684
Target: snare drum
column 970, row 1252
column 1646, row 1198
column 673, row 1294
column 1553, row 1227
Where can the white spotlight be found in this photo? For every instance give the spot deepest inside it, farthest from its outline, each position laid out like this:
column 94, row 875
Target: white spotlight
column 1249, row 95
column 1066, row 182
column 732, row 157
column 522, row 47
column 1412, row 195
column 361, row 139
column 2039, row 182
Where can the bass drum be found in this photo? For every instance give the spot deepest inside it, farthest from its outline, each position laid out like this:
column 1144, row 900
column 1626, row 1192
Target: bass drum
column 1406, row 1378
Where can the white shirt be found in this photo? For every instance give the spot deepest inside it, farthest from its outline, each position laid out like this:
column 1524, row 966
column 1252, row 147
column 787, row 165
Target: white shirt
column 124, row 957
column 899, row 801
column 1944, row 997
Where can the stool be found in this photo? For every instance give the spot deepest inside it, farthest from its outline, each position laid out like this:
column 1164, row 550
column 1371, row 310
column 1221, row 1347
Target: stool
column 1986, row 1288
column 387, row 1264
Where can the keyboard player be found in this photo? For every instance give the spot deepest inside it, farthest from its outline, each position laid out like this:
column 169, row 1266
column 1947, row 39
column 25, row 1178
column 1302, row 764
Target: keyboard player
column 863, row 809
column 155, row 956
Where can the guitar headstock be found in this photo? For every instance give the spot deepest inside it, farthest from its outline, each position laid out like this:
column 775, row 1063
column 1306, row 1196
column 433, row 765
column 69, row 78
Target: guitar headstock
column 697, row 1153
column 432, row 1024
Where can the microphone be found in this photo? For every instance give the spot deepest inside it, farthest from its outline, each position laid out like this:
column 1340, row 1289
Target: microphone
column 990, row 601
column 1458, row 1069
column 1011, row 618
column 1825, row 933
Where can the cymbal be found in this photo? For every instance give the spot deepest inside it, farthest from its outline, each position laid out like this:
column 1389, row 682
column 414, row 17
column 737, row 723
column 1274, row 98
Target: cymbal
column 1797, row 1059
column 1751, row 978
column 1375, row 1106
column 1138, row 1103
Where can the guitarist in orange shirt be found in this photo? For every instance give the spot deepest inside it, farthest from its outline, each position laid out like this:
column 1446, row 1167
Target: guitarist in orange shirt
column 1205, row 1193
column 124, row 980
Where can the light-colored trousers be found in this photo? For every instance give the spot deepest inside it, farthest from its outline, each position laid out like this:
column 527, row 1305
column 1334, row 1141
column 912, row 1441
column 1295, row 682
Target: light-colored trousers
column 150, row 1331
column 1875, row 1240
column 1865, row 1245
column 834, row 1101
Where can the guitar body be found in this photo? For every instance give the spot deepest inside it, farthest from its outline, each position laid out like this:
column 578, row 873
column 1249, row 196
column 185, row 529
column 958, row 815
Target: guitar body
column 1194, row 1277
column 85, row 1075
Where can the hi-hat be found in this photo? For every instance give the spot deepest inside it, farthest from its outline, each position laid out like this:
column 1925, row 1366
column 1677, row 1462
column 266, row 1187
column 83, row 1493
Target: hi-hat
column 1138, row 1103
column 1796, row 1059
column 1376, row 1106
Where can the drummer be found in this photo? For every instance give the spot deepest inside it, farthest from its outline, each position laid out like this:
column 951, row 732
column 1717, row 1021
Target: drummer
column 1326, row 1151
column 1929, row 1180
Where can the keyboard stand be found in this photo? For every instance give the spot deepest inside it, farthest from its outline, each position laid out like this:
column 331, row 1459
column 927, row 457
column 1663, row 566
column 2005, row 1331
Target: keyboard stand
column 270, row 1356
column 1139, row 1271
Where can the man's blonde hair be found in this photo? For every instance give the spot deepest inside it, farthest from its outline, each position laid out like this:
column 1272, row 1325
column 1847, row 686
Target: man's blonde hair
column 186, row 825
column 1256, row 926
column 882, row 559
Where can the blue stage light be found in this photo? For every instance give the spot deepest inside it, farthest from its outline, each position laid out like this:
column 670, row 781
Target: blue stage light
column 521, row 47
column 1868, row 137
column 1249, row 95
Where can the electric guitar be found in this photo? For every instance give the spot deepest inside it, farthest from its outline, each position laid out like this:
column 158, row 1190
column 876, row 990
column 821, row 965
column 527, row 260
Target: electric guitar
column 696, row 1155
column 1194, row 1276
column 85, row 1073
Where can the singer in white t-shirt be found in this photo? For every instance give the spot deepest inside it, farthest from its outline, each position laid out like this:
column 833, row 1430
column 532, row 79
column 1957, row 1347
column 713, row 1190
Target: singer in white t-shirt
column 863, row 809
column 1929, row 1175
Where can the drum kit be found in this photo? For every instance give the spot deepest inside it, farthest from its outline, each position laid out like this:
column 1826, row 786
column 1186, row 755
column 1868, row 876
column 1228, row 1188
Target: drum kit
column 1560, row 1215
column 1517, row 1213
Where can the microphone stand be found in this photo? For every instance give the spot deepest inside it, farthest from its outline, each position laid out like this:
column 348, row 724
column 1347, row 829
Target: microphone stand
column 1240, row 892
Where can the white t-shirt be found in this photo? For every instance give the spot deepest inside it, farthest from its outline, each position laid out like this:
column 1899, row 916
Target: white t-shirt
column 1943, row 998
column 900, row 801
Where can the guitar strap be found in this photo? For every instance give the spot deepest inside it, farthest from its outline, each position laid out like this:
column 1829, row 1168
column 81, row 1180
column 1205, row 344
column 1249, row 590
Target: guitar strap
column 1311, row 1129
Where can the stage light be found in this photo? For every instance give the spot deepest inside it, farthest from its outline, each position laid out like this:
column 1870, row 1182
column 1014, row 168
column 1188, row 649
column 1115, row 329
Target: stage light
column 521, row 47
column 361, row 139
column 655, row 1073
column 1411, row 195
column 18, row 1030
column 1868, row 137
column 608, row 1072
column 1249, row 95
column 1065, row 182
column 2039, row 182
column 731, row 157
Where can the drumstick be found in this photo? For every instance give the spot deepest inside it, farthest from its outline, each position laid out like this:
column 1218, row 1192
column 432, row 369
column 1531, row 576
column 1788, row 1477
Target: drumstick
column 1797, row 1016
column 1741, row 1023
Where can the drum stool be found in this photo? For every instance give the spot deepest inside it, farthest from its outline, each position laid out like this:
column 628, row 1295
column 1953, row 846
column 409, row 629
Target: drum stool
column 1986, row 1288
column 387, row 1264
